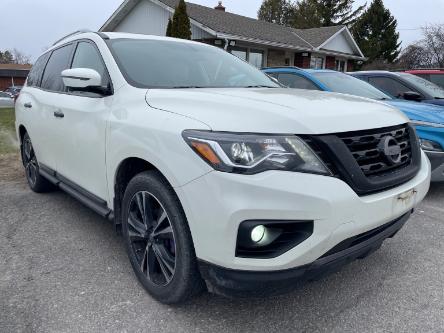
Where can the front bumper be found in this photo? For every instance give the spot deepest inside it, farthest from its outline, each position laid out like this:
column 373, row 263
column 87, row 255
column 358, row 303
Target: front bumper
column 216, row 203
column 437, row 164
column 240, row 283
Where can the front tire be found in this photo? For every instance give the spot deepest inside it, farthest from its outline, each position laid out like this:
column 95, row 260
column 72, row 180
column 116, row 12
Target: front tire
column 36, row 182
column 158, row 239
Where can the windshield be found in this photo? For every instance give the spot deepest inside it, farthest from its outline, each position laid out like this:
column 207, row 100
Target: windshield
column 346, row 84
column 173, row 64
column 429, row 87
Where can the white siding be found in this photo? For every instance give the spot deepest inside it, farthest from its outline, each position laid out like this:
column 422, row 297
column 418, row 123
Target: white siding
column 151, row 19
column 339, row 44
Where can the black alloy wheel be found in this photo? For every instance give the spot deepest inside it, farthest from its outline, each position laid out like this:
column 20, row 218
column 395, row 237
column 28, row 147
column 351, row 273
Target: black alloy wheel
column 36, row 182
column 152, row 238
column 158, row 239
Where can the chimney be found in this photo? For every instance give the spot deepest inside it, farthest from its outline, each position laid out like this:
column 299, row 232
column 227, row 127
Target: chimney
column 220, row 6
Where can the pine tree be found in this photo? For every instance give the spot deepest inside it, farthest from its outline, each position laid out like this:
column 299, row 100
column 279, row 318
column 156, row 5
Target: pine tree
column 181, row 27
column 276, row 11
column 375, row 33
column 169, row 31
column 325, row 13
column 306, row 16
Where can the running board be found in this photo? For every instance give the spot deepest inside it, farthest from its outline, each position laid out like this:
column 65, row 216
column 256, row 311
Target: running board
column 88, row 199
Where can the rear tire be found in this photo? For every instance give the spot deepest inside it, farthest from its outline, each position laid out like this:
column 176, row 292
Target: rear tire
column 158, row 240
column 36, row 182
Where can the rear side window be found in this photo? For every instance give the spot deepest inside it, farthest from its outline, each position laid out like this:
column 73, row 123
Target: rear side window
column 389, row 85
column 87, row 56
column 437, row 79
column 35, row 75
column 58, row 62
column 296, row 81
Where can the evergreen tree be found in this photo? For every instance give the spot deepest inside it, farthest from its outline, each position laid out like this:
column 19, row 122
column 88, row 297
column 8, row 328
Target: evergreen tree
column 6, row 57
column 276, row 11
column 375, row 33
column 306, row 16
column 169, row 31
column 181, row 26
column 325, row 13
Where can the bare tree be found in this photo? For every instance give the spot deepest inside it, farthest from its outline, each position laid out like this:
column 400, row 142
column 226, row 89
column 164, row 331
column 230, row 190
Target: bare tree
column 20, row 57
column 433, row 43
column 415, row 56
column 427, row 52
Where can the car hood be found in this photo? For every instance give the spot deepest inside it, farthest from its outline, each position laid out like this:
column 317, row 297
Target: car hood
column 420, row 111
column 278, row 110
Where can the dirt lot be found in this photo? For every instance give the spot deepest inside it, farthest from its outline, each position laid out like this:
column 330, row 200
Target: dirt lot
column 64, row 269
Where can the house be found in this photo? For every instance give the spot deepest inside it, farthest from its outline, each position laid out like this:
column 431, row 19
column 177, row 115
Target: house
column 13, row 75
column 258, row 42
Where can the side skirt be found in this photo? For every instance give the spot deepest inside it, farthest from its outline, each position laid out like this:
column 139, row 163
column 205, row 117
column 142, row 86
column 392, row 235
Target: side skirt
column 88, row 199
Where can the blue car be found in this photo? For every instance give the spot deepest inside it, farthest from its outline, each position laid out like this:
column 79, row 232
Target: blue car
column 428, row 118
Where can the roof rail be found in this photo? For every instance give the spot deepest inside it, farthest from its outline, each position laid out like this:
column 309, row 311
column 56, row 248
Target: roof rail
column 72, row 34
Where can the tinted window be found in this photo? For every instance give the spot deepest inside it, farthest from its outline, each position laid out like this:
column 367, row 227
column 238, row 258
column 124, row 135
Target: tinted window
column 296, row 81
column 346, row 84
column 4, row 95
column 171, row 64
column 437, row 79
column 426, row 86
column 87, row 56
column 58, row 62
column 35, row 75
column 389, row 85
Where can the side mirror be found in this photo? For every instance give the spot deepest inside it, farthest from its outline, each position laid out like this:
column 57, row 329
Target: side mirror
column 412, row 96
column 81, row 78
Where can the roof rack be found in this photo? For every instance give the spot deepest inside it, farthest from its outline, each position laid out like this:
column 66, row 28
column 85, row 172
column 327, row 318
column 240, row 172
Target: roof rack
column 72, row 34
column 82, row 31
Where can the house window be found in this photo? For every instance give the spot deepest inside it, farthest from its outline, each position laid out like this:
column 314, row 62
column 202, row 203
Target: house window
column 340, row 65
column 317, row 63
column 256, row 58
column 241, row 53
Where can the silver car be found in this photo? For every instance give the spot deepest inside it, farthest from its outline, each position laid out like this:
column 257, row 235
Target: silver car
column 6, row 100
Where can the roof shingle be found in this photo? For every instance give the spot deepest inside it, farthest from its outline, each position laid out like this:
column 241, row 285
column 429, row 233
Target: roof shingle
column 233, row 24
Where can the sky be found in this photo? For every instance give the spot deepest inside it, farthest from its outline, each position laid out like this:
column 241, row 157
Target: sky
column 32, row 26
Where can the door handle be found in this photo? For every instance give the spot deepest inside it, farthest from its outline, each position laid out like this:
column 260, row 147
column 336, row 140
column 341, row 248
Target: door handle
column 27, row 105
column 59, row 114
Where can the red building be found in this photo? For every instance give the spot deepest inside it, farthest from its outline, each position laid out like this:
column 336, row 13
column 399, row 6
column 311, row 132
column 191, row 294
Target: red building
column 13, row 75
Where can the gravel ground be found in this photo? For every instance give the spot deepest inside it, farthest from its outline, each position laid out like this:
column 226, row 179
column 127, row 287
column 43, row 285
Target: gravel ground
column 63, row 269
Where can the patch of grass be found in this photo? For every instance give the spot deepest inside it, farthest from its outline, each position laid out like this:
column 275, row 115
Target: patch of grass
column 8, row 140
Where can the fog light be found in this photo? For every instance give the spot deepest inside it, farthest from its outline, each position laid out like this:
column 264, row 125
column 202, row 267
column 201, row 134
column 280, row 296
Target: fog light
column 258, row 233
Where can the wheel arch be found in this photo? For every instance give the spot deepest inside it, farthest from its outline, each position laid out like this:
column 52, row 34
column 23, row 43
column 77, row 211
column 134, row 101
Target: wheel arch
column 126, row 170
column 21, row 131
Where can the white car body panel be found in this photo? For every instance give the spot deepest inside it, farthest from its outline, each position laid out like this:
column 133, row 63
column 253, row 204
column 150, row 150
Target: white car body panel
column 276, row 110
column 88, row 145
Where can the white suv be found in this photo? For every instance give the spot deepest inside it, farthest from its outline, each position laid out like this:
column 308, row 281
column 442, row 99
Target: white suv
column 218, row 176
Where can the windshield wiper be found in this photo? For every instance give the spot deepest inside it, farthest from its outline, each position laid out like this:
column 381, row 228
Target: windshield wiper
column 188, row 87
column 260, row 86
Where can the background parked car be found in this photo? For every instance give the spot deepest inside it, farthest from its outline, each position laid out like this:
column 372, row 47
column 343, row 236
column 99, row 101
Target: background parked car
column 433, row 75
column 14, row 91
column 429, row 118
column 404, row 85
column 6, row 101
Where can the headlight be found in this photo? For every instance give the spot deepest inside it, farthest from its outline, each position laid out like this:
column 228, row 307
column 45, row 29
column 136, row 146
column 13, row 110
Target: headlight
column 429, row 145
column 251, row 153
column 426, row 124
